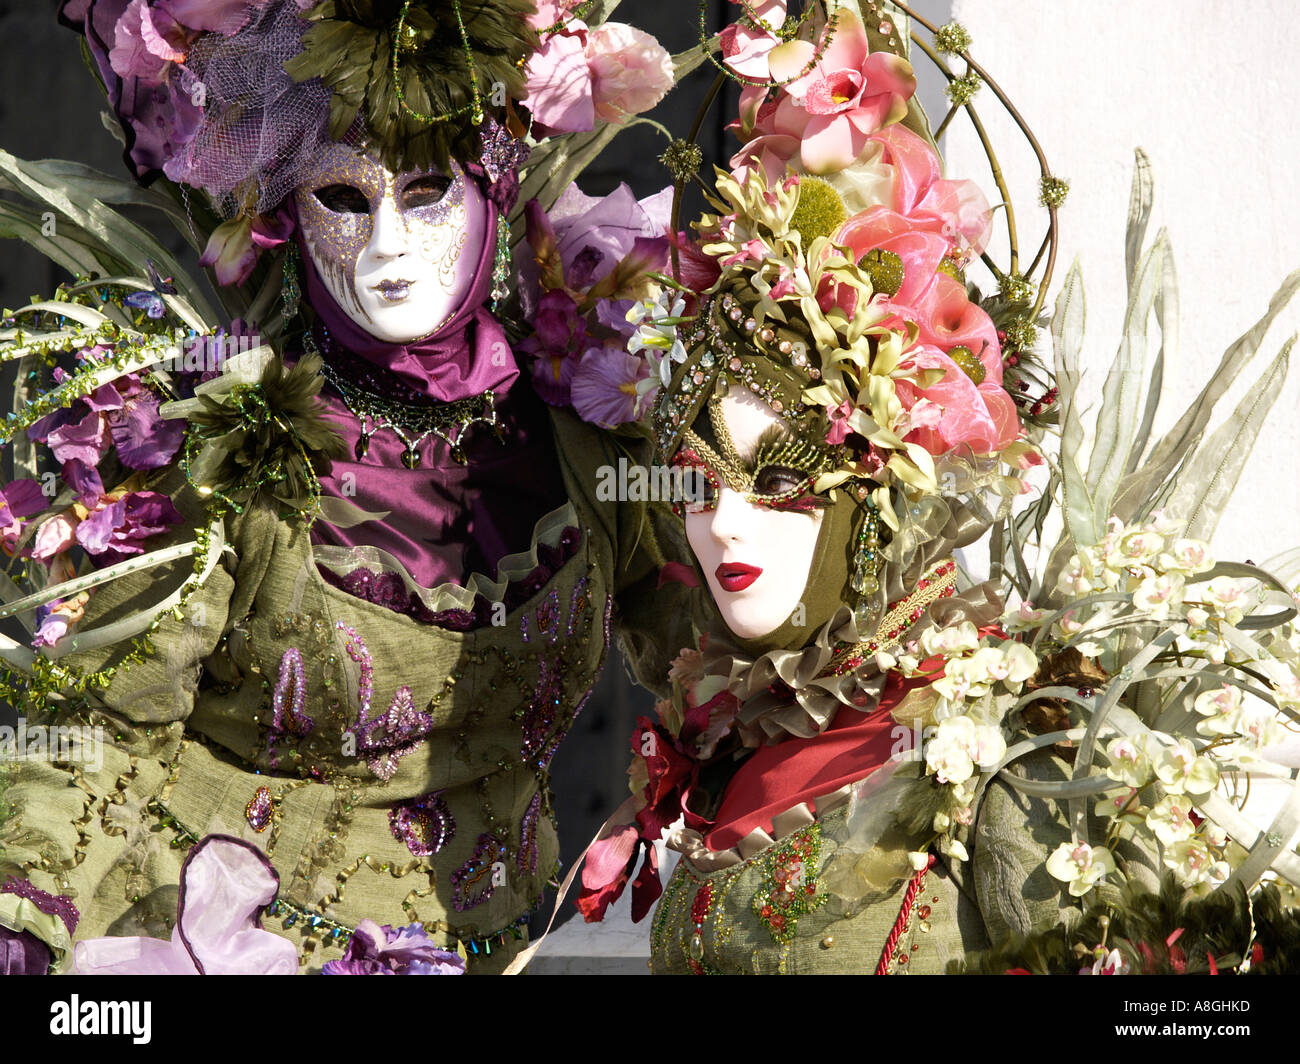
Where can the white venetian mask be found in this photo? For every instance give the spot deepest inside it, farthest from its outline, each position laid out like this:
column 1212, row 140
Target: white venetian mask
column 756, row 554
column 398, row 252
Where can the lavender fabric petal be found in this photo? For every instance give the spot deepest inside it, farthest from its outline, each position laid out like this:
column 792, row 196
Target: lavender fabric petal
column 95, row 533
column 22, row 953
column 105, row 397
column 84, row 480
column 225, row 885
column 604, row 386
column 39, row 431
column 375, row 950
column 143, row 439
column 25, row 497
column 86, row 439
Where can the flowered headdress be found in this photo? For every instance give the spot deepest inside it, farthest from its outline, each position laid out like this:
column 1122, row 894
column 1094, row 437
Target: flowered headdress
column 837, row 254
column 236, row 98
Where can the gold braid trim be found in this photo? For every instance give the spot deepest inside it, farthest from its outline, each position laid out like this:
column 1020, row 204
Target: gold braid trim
column 939, row 581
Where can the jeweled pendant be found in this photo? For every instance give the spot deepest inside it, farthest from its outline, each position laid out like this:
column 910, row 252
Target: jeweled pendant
column 696, row 947
column 363, row 445
column 865, row 615
column 411, row 456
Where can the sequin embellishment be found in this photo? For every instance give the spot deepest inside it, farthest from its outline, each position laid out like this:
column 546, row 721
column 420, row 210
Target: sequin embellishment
column 259, row 809
column 397, row 733
column 288, row 701
column 540, row 742
column 526, row 858
column 474, row 881
column 424, row 824
column 790, row 885
column 383, row 740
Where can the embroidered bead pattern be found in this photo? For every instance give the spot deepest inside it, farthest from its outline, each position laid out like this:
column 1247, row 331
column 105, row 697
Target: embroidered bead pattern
column 699, row 912
column 675, row 410
column 540, row 741
column 474, row 881
column 288, row 703
column 939, row 582
column 399, row 732
column 790, row 887
column 49, row 904
column 425, row 824
column 258, row 810
column 526, row 858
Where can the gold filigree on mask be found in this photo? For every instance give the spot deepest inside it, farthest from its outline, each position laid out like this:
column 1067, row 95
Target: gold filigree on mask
column 779, row 475
column 337, row 209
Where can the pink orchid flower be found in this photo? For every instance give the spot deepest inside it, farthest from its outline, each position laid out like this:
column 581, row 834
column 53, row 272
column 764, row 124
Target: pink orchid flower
column 850, row 94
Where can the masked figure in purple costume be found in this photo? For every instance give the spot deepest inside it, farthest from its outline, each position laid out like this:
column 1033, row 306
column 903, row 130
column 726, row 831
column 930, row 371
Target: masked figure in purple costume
column 403, row 582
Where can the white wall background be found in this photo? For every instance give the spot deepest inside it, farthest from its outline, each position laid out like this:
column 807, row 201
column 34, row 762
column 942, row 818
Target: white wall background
column 1206, row 89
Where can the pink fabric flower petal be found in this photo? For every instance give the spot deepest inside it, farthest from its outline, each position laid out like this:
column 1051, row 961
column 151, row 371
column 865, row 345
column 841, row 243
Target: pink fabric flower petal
column 788, row 60
column 558, row 83
column 848, row 48
column 830, row 144
column 226, row 884
column 86, row 440
column 55, row 536
column 630, row 71
column 948, row 319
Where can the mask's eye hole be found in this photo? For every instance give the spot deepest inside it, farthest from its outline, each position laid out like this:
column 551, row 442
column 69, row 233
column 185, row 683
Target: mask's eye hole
column 425, row 191
column 343, row 199
column 696, row 484
column 699, row 492
column 779, row 480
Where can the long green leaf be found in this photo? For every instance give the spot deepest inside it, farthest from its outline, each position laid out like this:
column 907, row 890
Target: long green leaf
column 1146, row 482
column 1204, row 487
column 20, row 222
column 119, row 236
column 1067, row 339
column 87, row 181
column 1122, row 395
column 1167, row 319
column 1141, row 196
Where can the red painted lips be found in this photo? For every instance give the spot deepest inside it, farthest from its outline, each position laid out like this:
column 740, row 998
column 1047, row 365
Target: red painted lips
column 736, row 576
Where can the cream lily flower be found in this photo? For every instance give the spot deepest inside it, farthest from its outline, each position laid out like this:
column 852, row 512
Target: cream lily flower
column 1171, row 820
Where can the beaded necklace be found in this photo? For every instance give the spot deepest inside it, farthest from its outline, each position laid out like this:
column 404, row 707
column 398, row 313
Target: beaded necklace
column 410, row 422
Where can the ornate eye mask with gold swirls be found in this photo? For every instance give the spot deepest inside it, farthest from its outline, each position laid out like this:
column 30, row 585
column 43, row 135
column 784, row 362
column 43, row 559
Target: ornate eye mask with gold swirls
column 780, row 474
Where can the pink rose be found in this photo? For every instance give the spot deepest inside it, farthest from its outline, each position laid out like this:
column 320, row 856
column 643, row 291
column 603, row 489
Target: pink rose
column 630, row 71
column 558, row 83
column 581, row 74
column 55, row 536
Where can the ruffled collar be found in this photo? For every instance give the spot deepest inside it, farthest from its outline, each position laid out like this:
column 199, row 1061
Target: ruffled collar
column 797, row 693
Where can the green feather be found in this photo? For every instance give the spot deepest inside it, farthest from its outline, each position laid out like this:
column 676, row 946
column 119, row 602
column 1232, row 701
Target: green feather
column 349, row 48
